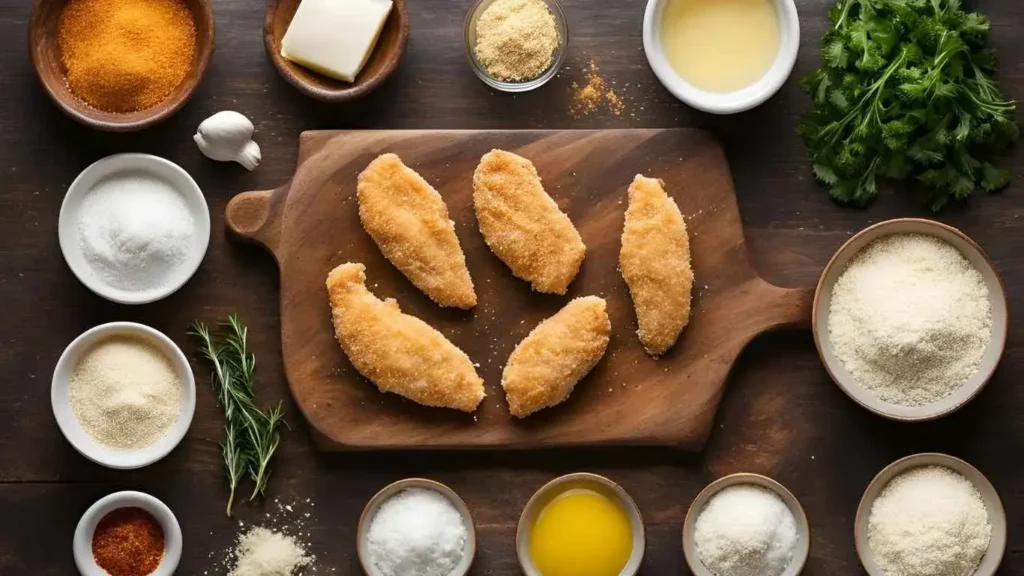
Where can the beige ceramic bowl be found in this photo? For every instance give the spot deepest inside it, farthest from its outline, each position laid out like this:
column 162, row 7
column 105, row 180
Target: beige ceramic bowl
column 803, row 548
column 560, row 485
column 394, row 488
column 989, row 360
column 996, row 515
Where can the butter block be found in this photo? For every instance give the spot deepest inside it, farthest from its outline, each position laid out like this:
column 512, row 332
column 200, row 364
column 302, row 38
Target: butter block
column 335, row 37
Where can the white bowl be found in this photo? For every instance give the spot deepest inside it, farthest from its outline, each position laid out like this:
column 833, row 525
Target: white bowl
column 82, row 543
column 989, row 359
column 803, row 547
column 724, row 102
column 993, row 505
column 371, row 508
column 67, row 227
column 86, row 444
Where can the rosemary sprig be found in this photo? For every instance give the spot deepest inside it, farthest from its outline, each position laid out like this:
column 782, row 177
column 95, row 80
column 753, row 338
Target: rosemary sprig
column 251, row 435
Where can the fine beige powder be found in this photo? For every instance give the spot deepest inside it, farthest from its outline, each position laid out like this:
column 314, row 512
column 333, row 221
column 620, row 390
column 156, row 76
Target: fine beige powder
column 516, row 39
column 910, row 318
column 125, row 393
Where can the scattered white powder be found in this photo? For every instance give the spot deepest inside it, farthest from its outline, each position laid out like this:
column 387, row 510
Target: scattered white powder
column 416, row 532
column 910, row 319
column 929, row 521
column 264, row 552
column 125, row 392
column 746, row 530
column 135, row 229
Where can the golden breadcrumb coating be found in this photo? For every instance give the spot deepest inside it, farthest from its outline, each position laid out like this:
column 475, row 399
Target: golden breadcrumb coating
column 409, row 221
column 545, row 367
column 655, row 262
column 522, row 225
column 397, row 352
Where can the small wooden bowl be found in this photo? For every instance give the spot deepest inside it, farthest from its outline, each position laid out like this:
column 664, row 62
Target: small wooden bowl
column 803, row 549
column 383, row 61
column 560, row 485
column 46, row 59
column 363, row 529
column 990, row 358
column 996, row 515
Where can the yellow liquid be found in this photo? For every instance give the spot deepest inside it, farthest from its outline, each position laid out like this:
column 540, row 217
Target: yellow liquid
column 581, row 533
column 720, row 45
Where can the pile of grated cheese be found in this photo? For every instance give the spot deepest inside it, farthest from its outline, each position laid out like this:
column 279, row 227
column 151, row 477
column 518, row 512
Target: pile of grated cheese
column 264, row 552
column 929, row 521
column 910, row 319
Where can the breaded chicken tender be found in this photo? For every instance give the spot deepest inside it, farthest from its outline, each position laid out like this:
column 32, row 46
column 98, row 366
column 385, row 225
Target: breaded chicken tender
column 545, row 367
column 409, row 221
column 655, row 262
column 522, row 225
column 399, row 353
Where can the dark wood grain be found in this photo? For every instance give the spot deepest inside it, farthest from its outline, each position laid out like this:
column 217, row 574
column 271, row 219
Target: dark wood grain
column 46, row 58
column 780, row 416
column 384, row 58
column 629, row 398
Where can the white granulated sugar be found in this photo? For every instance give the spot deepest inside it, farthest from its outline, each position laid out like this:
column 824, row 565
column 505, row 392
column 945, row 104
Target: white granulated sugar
column 910, row 319
column 416, row 532
column 929, row 521
column 135, row 229
column 746, row 530
column 125, row 393
column 264, row 552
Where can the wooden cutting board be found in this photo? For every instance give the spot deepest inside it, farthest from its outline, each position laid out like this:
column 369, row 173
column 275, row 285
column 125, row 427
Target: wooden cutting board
column 311, row 225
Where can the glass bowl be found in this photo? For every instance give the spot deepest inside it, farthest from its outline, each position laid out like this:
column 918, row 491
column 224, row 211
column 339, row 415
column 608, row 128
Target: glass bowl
column 525, row 86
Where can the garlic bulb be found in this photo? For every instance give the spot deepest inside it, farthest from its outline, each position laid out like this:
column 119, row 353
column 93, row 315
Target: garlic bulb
column 227, row 136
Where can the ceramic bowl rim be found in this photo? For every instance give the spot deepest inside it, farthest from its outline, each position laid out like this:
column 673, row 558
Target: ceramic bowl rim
column 724, row 102
column 133, row 162
column 792, row 502
column 997, row 545
column 531, row 510
column 374, row 503
column 79, row 439
column 863, row 397
column 82, row 540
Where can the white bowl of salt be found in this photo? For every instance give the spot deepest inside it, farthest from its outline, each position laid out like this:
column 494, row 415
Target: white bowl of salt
column 134, row 228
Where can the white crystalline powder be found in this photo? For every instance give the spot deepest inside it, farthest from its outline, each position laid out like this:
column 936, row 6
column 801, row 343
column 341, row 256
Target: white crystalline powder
column 930, row 521
column 416, row 532
column 746, row 530
column 910, row 319
column 263, row 552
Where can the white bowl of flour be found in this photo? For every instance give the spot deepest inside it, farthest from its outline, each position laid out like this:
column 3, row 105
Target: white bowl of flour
column 910, row 319
column 134, row 228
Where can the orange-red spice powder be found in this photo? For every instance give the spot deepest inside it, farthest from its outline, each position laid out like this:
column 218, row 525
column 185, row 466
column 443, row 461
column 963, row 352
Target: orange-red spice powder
column 125, row 55
column 128, row 542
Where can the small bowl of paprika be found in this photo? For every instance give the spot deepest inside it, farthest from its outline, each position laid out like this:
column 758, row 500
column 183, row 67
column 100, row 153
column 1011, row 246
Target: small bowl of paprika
column 120, row 65
column 127, row 534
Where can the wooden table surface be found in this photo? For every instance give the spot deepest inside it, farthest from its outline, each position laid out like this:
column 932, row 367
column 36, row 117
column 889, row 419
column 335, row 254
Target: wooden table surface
column 781, row 415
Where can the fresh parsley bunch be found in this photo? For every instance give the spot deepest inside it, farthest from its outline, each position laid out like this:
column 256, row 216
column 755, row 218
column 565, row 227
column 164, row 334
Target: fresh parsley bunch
column 907, row 92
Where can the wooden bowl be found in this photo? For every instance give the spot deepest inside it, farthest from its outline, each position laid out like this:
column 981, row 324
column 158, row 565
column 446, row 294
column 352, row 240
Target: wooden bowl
column 996, row 515
column 46, row 59
column 383, row 60
column 803, row 549
column 990, row 358
column 559, row 486
column 363, row 529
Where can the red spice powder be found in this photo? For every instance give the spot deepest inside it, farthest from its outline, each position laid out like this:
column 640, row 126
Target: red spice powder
column 128, row 542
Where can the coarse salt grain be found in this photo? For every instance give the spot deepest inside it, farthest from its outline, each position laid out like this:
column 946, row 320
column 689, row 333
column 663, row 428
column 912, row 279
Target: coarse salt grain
column 929, row 521
column 125, row 392
column 416, row 532
column 910, row 319
column 746, row 530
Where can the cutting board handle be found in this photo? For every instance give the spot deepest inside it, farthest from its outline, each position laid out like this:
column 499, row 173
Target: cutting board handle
column 253, row 216
column 791, row 307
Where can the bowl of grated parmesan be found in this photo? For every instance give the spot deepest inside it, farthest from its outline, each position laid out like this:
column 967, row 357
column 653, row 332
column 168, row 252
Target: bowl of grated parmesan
column 930, row 514
column 910, row 319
